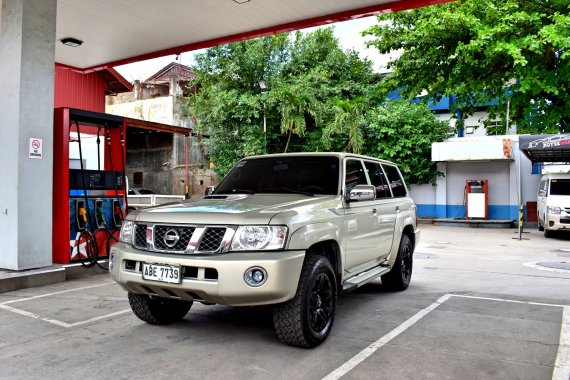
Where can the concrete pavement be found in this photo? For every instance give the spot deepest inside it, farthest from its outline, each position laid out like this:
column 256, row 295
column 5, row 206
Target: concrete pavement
column 479, row 307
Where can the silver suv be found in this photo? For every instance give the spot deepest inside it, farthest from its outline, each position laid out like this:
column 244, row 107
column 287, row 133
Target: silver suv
column 290, row 230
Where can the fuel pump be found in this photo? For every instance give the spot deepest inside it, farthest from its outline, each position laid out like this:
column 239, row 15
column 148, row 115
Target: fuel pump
column 477, row 200
column 88, row 185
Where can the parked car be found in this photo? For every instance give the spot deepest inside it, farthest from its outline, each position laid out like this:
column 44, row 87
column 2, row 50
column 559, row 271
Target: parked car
column 553, row 203
column 292, row 231
column 140, row 191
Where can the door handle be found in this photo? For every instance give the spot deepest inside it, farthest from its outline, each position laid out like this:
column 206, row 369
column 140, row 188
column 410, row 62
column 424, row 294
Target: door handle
column 374, row 211
column 397, row 208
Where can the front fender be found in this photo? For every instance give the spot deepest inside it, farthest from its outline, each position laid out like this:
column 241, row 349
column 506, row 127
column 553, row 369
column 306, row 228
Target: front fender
column 312, row 234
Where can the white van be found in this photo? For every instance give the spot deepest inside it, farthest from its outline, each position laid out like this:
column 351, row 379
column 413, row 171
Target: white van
column 553, row 203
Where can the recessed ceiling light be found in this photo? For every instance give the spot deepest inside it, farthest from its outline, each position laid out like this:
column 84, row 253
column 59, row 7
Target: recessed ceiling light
column 70, row 41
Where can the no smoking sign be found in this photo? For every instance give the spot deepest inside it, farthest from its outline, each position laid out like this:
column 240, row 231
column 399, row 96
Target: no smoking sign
column 35, row 148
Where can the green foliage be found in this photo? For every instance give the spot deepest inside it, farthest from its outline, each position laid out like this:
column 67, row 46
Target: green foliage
column 403, row 132
column 303, row 72
column 483, row 50
column 349, row 121
column 320, row 98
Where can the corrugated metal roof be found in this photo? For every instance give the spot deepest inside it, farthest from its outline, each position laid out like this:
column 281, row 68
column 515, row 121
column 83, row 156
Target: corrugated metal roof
column 184, row 74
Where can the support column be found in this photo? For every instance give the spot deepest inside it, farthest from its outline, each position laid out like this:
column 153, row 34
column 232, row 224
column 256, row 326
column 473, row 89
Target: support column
column 441, row 192
column 27, row 54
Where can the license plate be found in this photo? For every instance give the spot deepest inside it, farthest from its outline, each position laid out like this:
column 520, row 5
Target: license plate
column 162, row 273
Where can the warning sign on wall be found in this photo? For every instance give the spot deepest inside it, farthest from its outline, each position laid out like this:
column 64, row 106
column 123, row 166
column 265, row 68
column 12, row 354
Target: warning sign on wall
column 35, row 148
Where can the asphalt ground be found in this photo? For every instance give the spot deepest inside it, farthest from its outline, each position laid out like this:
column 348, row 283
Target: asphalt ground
column 481, row 305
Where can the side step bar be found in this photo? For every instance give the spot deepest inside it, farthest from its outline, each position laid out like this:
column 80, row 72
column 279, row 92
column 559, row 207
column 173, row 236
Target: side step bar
column 364, row 277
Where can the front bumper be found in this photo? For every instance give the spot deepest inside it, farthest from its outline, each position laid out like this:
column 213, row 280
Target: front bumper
column 211, row 278
column 557, row 222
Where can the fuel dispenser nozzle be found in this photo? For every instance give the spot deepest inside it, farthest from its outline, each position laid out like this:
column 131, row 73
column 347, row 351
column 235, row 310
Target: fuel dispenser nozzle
column 99, row 214
column 82, row 218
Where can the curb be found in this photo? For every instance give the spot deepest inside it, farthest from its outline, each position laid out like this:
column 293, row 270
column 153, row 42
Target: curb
column 16, row 280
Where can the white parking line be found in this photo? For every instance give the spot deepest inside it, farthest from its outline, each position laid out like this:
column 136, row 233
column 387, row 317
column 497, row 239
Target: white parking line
column 362, row 355
column 561, row 367
column 562, row 364
column 4, row 306
column 56, row 293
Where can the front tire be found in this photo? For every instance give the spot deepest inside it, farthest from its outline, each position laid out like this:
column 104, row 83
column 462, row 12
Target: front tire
column 158, row 311
column 307, row 319
column 401, row 274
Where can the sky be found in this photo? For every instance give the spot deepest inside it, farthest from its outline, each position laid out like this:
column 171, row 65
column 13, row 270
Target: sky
column 348, row 33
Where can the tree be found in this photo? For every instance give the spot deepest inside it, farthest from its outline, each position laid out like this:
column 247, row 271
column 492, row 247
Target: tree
column 303, row 71
column 348, row 120
column 510, row 51
column 403, row 132
column 295, row 101
column 229, row 105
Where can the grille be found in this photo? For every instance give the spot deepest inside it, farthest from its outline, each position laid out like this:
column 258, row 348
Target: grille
column 184, row 235
column 564, row 221
column 212, row 239
column 140, row 236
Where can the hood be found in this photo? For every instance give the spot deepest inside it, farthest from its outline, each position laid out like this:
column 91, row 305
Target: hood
column 558, row 200
column 226, row 209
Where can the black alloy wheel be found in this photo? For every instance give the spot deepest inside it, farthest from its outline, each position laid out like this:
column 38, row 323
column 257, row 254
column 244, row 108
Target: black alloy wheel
column 401, row 274
column 321, row 303
column 307, row 319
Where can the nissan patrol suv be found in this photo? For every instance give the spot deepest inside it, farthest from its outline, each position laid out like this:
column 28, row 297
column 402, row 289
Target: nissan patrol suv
column 290, row 230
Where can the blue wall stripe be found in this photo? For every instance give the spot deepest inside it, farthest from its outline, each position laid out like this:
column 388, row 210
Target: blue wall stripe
column 458, row 211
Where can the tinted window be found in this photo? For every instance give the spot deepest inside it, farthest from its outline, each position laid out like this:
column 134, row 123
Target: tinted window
column 378, row 180
column 310, row 175
column 560, row 187
column 354, row 175
column 396, row 181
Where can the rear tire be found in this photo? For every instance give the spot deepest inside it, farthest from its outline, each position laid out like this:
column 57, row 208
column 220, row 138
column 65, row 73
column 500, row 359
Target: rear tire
column 307, row 319
column 158, row 311
column 401, row 274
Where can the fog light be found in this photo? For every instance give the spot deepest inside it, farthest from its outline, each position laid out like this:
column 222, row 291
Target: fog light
column 255, row 276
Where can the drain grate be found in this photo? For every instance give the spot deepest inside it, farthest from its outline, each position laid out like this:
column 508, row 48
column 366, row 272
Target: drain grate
column 556, row 265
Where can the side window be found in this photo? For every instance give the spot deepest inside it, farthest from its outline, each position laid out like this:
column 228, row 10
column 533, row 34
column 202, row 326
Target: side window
column 542, row 188
column 378, row 180
column 354, row 174
column 396, row 181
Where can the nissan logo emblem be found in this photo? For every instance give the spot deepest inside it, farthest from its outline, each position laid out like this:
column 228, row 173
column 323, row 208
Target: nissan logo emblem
column 170, row 238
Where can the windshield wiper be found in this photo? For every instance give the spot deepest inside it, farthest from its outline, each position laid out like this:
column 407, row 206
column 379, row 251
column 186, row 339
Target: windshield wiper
column 289, row 190
column 234, row 190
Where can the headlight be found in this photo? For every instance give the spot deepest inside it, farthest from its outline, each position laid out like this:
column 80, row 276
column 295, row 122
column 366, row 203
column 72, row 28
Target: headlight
column 127, row 232
column 253, row 238
column 553, row 210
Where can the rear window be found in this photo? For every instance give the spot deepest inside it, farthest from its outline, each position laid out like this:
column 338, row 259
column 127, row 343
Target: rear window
column 560, row 187
column 310, row 175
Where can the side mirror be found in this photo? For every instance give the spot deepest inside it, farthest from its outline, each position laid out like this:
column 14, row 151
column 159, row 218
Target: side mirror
column 362, row 193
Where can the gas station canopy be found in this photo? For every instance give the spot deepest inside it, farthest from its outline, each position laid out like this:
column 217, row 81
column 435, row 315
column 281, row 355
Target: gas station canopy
column 546, row 148
column 119, row 32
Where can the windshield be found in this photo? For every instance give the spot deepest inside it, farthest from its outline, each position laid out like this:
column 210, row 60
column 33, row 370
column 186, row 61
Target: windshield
column 296, row 175
column 560, row 187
